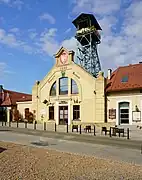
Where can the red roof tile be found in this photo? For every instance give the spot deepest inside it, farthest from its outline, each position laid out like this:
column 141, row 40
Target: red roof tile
column 134, row 74
column 11, row 97
column 7, row 100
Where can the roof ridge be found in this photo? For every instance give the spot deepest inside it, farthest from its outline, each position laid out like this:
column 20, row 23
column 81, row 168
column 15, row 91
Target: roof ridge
column 115, row 76
column 16, row 92
column 130, row 65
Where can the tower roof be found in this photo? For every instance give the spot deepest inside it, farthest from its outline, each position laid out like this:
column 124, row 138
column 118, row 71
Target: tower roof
column 84, row 16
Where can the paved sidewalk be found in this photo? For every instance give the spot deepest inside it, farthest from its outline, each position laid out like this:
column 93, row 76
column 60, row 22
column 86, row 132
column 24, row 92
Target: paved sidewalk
column 97, row 150
column 104, row 140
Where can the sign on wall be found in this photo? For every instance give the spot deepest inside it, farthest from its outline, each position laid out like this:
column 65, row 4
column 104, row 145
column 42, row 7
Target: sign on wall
column 43, row 112
column 112, row 113
column 136, row 116
column 63, row 102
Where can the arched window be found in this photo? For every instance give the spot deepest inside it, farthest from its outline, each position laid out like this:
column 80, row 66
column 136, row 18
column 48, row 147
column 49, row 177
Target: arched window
column 124, row 113
column 53, row 89
column 63, row 86
column 74, row 87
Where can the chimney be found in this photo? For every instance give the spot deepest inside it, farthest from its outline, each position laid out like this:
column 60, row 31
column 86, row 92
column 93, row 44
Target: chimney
column 1, row 90
column 109, row 73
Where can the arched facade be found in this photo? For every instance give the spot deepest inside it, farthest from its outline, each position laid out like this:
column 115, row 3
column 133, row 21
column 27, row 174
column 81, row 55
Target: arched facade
column 68, row 93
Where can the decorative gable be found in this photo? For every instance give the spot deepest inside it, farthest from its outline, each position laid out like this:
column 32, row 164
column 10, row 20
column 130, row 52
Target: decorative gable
column 64, row 57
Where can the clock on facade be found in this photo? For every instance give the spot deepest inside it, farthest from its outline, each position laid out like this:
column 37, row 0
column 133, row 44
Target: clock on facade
column 64, row 57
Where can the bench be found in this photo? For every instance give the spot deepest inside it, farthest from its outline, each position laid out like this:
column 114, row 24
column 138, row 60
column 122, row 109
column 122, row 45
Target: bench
column 117, row 130
column 87, row 129
column 75, row 127
column 104, row 129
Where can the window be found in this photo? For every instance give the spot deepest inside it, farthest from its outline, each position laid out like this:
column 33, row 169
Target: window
column 26, row 113
column 53, row 89
column 74, row 87
column 124, row 79
column 124, row 112
column 51, row 112
column 63, row 86
column 76, row 112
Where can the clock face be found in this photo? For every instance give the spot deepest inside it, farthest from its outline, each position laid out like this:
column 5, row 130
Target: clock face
column 64, row 57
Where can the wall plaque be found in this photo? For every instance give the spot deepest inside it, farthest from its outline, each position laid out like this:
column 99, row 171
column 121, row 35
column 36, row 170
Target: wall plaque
column 112, row 113
column 136, row 116
column 63, row 102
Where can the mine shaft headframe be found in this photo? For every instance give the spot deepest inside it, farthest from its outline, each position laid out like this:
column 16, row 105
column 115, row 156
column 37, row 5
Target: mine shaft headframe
column 87, row 24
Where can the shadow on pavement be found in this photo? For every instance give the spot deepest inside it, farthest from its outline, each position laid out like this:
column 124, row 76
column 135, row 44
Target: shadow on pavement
column 2, row 149
column 42, row 143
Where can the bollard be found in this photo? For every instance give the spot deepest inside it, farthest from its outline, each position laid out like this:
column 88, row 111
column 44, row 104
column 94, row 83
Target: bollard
column 110, row 132
column 44, row 126
column 67, row 128
column 5, row 123
column 2, row 122
column 25, row 124
column 55, row 127
column 35, row 125
column 128, row 133
column 17, row 124
column 94, row 130
column 9, row 123
column 80, row 129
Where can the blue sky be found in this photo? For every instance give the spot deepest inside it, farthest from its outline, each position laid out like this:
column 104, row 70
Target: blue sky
column 32, row 31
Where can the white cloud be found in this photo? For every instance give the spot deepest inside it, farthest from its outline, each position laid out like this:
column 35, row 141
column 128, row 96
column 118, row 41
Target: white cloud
column 13, row 3
column 68, row 30
column 70, row 44
column 96, row 6
column 121, row 36
column 33, row 35
column 18, row 4
column 5, row 1
column 14, row 30
column 48, row 17
column 4, row 69
column 47, row 41
column 10, row 40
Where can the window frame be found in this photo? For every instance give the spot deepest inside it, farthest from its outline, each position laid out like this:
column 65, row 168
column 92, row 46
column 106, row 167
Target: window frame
column 51, row 112
column 124, row 120
column 74, row 85
column 51, row 89
column 60, row 79
column 124, row 79
column 76, row 116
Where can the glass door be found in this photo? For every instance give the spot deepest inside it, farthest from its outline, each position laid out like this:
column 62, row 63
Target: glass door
column 124, row 113
column 63, row 115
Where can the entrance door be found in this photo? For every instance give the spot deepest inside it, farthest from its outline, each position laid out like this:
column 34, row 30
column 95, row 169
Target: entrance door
column 3, row 114
column 63, row 115
column 124, row 113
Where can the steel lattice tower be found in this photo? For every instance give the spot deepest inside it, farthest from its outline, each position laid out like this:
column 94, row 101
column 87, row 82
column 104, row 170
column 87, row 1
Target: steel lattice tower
column 88, row 38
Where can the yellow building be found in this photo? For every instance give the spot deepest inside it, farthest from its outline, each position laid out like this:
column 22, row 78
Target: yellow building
column 68, row 93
